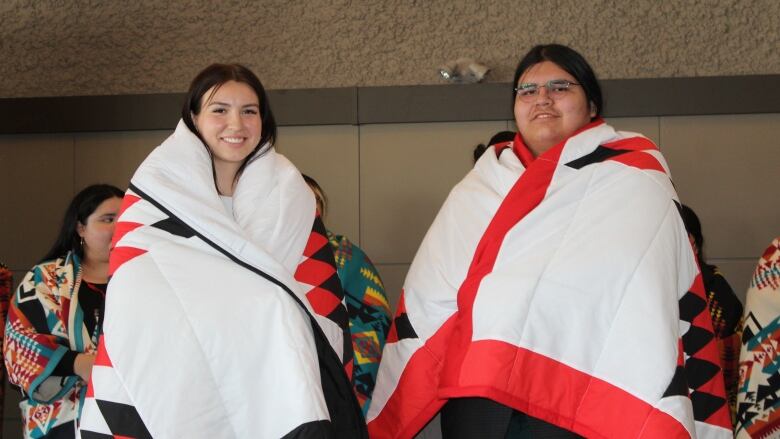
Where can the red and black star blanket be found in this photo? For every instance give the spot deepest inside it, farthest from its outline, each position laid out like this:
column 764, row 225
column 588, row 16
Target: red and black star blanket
column 564, row 287
column 221, row 322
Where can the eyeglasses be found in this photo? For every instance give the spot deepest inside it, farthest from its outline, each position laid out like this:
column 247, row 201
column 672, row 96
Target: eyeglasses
column 556, row 88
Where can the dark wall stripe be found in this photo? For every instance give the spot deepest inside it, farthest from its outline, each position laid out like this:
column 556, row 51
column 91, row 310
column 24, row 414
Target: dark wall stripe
column 315, row 106
column 435, row 103
column 395, row 104
column 693, row 96
column 90, row 113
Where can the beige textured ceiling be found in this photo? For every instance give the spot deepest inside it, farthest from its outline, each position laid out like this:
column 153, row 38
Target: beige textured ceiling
column 61, row 48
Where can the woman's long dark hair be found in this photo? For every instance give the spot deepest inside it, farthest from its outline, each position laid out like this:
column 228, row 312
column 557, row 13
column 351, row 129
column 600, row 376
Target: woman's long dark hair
column 80, row 208
column 214, row 76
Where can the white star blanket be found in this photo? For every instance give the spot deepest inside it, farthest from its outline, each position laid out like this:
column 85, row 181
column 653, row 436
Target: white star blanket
column 207, row 331
column 564, row 287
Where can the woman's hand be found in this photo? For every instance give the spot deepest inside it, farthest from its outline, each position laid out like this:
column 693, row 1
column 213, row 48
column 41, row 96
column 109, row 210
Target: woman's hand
column 82, row 365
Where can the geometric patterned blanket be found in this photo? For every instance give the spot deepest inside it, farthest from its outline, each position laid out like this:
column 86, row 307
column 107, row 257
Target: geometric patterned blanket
column 758, row 398
column 220, row 322
column 564, row 287
column 369, row 313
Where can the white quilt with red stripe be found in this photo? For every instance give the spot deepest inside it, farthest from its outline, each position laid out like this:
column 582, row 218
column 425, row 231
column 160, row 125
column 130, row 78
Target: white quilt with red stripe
column 207, row 331
column 565, row 289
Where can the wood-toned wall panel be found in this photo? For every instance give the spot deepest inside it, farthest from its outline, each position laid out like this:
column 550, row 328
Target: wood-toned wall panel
column 36, row 174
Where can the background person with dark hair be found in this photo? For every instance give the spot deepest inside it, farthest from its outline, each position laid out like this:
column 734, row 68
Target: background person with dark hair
column 725, row 309
column 366, row 301
column 758, row 408
column 55, row 315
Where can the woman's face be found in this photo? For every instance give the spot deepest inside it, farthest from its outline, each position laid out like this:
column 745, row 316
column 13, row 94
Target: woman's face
column 98, row 230
column 545, row 121
column 229, row 122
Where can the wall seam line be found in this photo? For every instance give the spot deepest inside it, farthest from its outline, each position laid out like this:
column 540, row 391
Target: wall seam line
column 359, row 166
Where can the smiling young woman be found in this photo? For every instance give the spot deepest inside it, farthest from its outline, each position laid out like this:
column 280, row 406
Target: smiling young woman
column 228, row 109
column 217, row 255
column 230, row 125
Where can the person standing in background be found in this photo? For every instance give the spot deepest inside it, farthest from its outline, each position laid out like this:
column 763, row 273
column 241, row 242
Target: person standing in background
column 55, row 315
column 758, row 405
column 725, row 309
column 367, row 305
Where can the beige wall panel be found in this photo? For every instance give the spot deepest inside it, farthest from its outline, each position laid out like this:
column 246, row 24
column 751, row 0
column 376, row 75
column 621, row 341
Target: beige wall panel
column 9, row 409
column 11, row 404
column 726, row 168
column 18, row 275
column 329, row 154
column 406, row 171
column 393, row 276
column 12, row 429
column 113, row 157
column 36, row 174
column 647, row 126
column 738, row 273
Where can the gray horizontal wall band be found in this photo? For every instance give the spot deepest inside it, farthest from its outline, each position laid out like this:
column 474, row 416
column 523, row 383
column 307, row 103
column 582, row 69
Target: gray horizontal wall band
column 395, row 104
column 90, row 113
column 326, row 106
column 435, row 103
column 315, row 106
column 692, row 96
column 623, row 97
